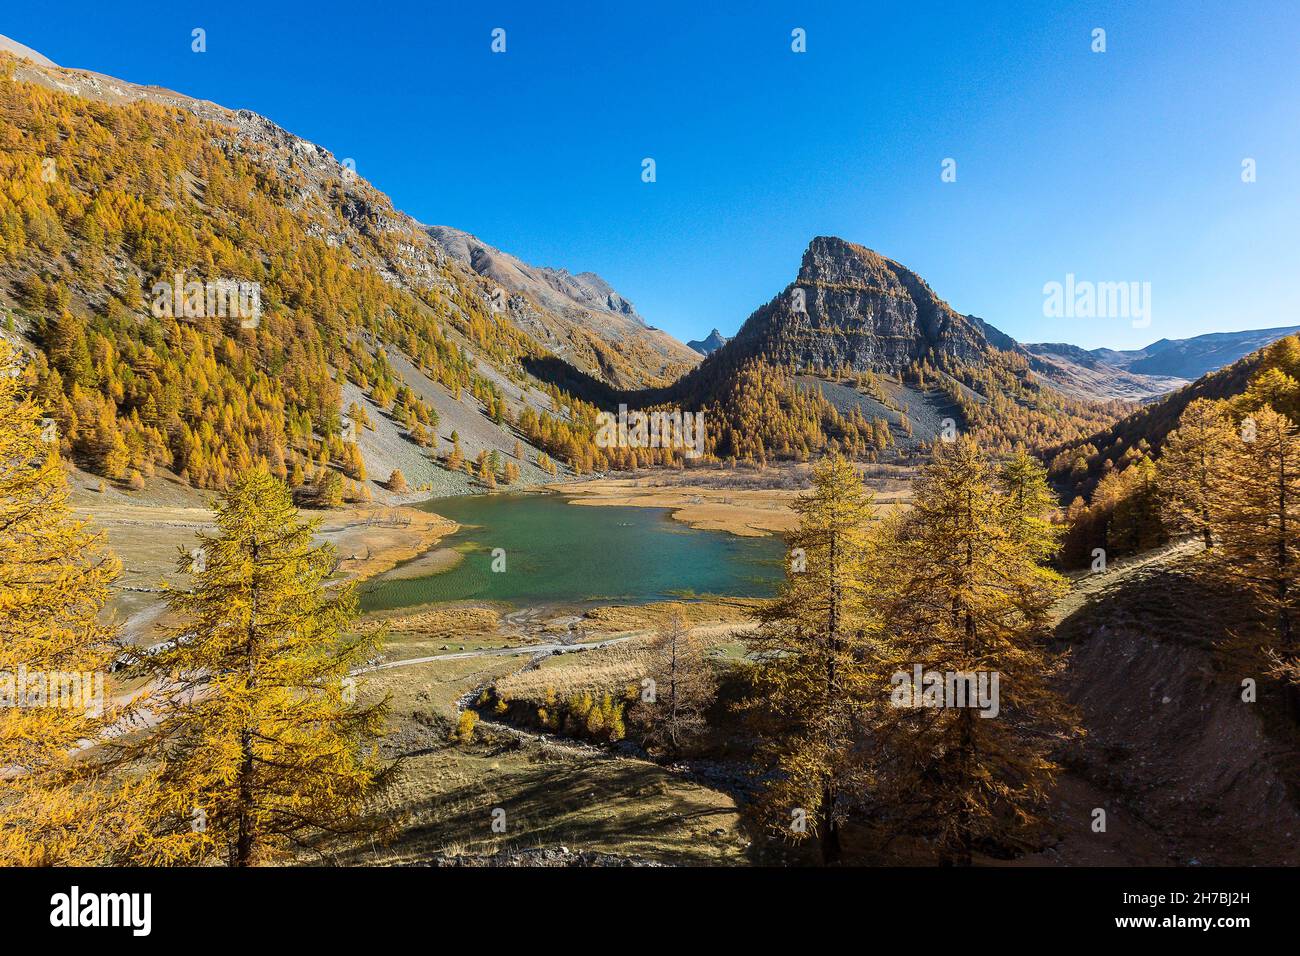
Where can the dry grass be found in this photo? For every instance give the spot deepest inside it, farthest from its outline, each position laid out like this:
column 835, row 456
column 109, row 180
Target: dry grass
column 439, row 622
column 749, row 504
column 603, row 670
column 692, row 614
column 597, row 671
column 371, row 541
column 553, row 795
column 440, row 630
column 149, row 540
column 740, row 511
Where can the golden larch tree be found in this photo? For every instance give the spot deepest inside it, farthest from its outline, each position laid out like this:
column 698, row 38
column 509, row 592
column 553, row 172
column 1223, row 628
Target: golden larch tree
column 1194, row 455
column 1029, row 505
column 261, row 743
column 968, row 605
column 58, row 802
column 816, row 672
column 1255, row 508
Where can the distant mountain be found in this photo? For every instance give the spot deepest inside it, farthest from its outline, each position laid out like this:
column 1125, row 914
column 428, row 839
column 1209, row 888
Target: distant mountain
column 1151, row 424
column 1086, row 374
column 709, row 344
column 1194, row 357
column 580, row 318
column 1143, row 374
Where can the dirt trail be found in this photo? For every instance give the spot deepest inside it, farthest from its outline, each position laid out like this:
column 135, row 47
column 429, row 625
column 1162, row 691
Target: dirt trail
column 534, row 649
column 1090, row 586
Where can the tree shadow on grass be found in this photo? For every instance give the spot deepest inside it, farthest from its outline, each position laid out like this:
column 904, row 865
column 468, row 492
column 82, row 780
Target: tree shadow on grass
column 623, row 807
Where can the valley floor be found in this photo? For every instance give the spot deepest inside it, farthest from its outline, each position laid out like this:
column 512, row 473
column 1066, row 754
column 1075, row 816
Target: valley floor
column 742, row 502
column 1186, row 772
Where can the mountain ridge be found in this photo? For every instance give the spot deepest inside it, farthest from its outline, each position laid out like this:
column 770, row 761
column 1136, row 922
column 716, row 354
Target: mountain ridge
column 23, row 51
column 579, row 317
column 586, row 323
column 609, row 349
column 364, row 318
column 479, row 319
column 1187, row 359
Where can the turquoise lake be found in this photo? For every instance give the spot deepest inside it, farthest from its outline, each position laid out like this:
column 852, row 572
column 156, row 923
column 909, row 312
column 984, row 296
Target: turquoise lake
column 556, row 552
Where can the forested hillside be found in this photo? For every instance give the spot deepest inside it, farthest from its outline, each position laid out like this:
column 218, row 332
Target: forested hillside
column 1124, row 484
column 1077, row 467
column 113, row 192
column 103, row 200
column 853, row 316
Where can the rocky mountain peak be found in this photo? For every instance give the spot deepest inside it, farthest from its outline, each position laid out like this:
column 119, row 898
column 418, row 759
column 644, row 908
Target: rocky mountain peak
column 709, row 344
column 851, row 306
column 832, row 259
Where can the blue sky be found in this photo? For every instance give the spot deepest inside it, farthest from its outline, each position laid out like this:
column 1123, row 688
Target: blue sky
column 1116, row 166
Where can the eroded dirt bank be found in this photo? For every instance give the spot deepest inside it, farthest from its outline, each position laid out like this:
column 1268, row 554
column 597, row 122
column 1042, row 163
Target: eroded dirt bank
column 1184, row 768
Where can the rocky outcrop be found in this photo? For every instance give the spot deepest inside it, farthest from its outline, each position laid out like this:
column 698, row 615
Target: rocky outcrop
column 852, row 307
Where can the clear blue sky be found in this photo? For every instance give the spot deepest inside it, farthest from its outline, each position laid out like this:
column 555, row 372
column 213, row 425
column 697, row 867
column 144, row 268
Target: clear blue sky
column 1120, row 166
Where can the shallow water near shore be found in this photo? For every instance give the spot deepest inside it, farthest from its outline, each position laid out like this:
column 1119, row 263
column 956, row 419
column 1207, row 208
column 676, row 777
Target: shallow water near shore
column 556, row 552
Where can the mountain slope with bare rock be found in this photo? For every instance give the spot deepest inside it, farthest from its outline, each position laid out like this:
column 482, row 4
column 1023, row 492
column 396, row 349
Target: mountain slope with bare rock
column 580, row 318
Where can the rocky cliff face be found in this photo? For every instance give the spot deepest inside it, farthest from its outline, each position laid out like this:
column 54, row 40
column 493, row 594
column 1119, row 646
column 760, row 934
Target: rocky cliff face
column 852, row 307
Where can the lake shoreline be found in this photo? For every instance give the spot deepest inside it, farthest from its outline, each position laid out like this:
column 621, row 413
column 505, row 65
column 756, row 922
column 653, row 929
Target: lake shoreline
column 744, row 512
column 532, row 549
